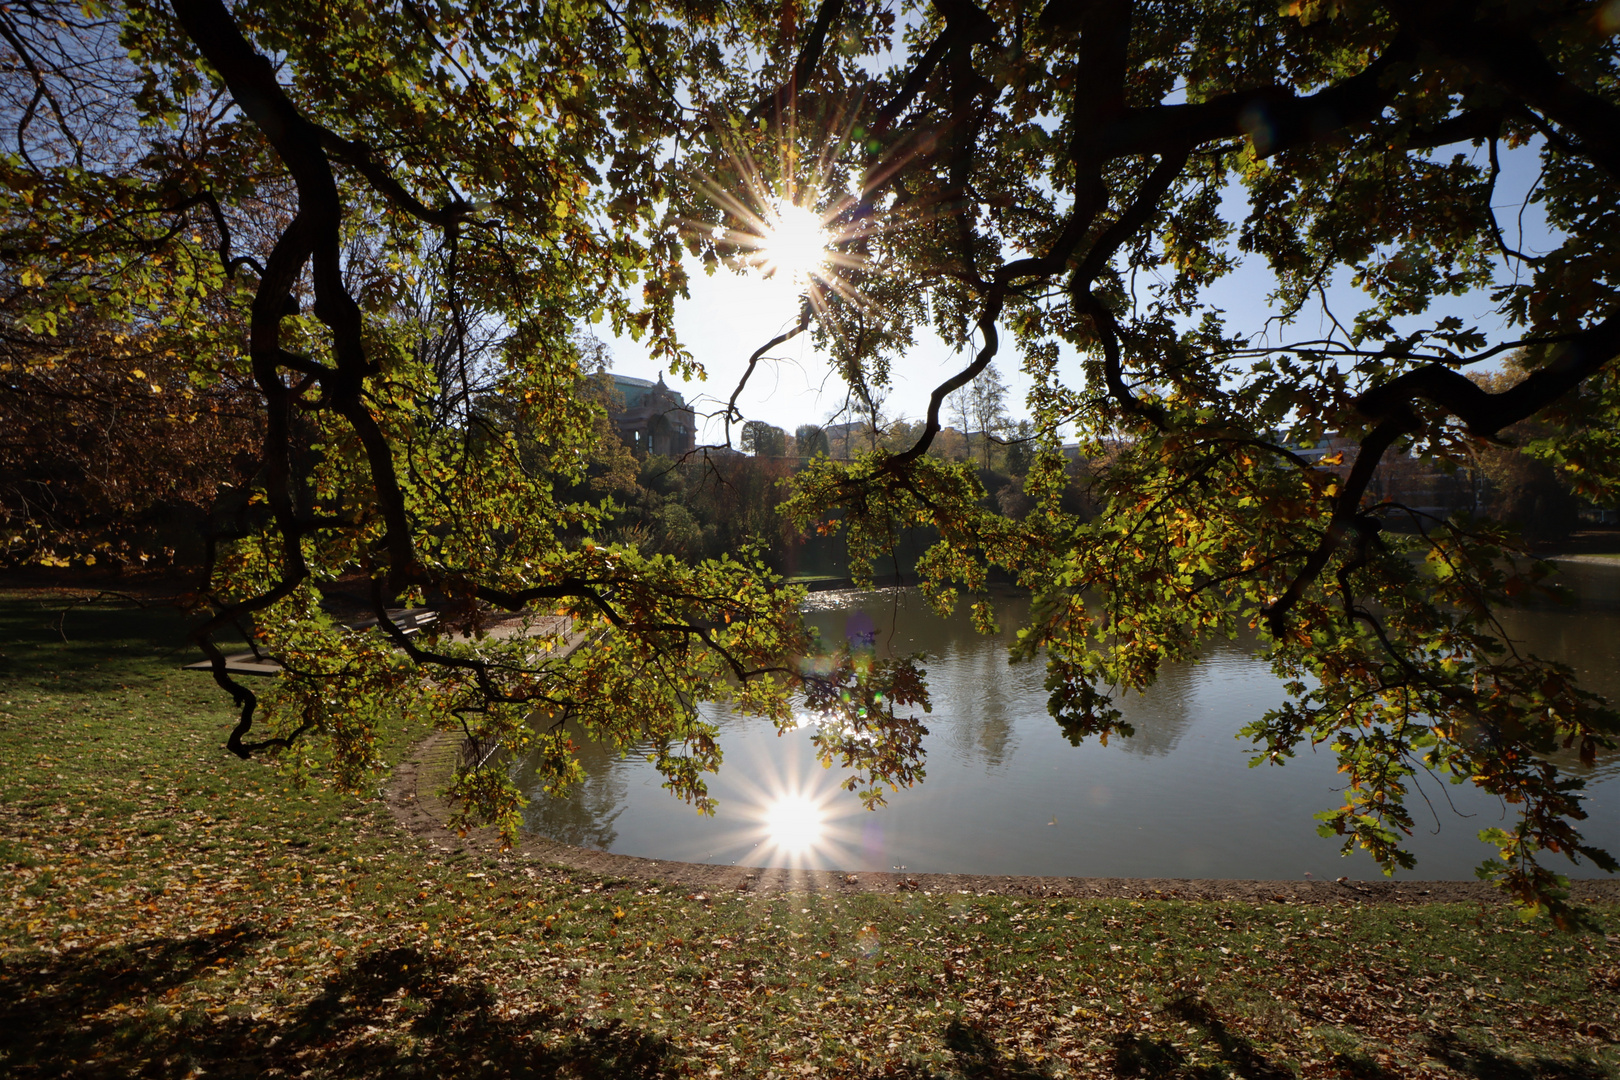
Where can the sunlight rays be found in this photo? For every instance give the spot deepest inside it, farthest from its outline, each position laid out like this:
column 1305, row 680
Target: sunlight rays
column 797, row 222
column 794, row 824
column 812, row 221
column 799, row 821
column 790, row 812
column 795, row 244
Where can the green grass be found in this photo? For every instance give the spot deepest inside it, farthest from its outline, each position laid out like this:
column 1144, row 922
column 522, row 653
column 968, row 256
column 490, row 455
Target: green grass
column 168, row 909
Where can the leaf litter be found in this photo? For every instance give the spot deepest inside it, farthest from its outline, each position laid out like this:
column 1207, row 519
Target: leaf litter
column 170, row 911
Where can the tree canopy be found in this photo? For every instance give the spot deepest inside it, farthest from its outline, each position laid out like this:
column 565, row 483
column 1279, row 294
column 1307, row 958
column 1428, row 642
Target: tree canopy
column 763, row 440
column 368, row 217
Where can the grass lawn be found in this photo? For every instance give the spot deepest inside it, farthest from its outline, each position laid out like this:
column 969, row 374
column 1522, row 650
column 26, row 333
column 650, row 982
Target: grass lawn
column 167, row 910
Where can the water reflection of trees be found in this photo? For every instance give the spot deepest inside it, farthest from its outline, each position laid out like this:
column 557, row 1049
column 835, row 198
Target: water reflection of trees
column 1583, row 631
column 585, row 816
column 973, row 685
column 902, row 623
column 986, row 709
column 1161, row 715
column 970, row 706
column 1228, row 679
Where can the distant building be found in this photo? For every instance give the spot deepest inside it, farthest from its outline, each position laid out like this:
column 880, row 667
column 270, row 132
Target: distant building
column 844, row 441
column 654, row 419
column 1403, row 478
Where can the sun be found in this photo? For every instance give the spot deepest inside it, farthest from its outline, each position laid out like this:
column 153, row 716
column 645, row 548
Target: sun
column 794, row 244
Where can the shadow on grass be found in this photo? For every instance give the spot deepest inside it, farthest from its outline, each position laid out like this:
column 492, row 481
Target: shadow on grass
column 1358, row 1066
column 44, row 995
column 976, row 1056
column 1159, row 1059
column 1156, row 1059
column 84, row 644
column 391, row 1013
column 97, row 645
column 1235, row 1050
column 1481, row 1061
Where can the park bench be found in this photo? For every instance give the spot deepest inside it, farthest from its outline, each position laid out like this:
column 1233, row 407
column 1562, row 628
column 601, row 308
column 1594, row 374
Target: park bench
column 411, row 621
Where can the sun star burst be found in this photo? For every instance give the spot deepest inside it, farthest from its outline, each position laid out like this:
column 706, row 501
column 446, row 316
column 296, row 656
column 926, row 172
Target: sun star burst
column 794, row 823
column 794, row 244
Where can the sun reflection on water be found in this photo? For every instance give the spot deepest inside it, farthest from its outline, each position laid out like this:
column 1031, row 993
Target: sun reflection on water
column 795, row 824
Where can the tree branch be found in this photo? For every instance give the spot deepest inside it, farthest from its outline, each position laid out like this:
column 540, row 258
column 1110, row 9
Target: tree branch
column 772, row 104
column 1575, row 359
column 1346, row 514
column 806, row 310
column 1511, row 58
column 1273, row 116
column 231, row 264
column 360, row 157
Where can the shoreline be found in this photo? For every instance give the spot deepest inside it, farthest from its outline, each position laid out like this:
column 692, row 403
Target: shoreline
column 1587, row 560
column 411, row 796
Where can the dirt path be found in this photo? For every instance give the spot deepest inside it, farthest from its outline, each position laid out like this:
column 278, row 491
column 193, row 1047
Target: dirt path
column 411, row 795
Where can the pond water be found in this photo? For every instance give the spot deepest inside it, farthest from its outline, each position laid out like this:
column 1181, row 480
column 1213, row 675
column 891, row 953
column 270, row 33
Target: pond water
column 1006, row 793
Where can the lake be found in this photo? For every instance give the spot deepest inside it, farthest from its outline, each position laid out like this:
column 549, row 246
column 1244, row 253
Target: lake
column 1006, row 793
